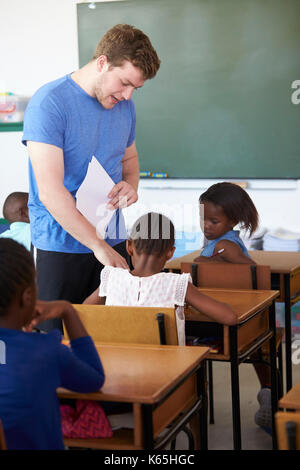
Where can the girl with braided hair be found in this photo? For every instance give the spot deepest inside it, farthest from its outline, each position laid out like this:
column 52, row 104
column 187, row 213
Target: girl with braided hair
column 33, row 365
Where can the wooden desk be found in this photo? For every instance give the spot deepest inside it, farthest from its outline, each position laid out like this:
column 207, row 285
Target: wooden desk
column 166, row 386
column 175, row 264
column 255, row 326
column 291, row 400
column 285, row 276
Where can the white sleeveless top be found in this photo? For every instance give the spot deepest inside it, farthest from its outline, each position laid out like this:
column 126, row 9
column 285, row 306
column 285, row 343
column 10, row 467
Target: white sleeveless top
column 160, row 290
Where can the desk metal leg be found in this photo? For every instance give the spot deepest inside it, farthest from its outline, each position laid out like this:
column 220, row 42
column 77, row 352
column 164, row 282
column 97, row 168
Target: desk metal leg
column 288, row 332
column 280, row 371
column 235, row 388
column 211, row 393
column 274, row 388
column 201, row 386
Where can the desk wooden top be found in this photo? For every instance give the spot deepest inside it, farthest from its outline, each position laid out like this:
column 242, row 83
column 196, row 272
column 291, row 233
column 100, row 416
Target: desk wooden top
column 291, row 400
column 243, row 302
column 279, row 261
column 176, row 263
column 138, row 373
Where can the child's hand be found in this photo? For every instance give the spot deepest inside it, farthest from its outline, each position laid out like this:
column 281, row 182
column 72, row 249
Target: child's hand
column 48, row 310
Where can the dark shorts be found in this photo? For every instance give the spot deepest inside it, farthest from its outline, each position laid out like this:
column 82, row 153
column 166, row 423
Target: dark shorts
column 68, row 276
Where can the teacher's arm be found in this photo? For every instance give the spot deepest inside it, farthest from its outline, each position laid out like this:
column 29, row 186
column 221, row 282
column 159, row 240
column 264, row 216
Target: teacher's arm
column 124, row 193
column 48, row 166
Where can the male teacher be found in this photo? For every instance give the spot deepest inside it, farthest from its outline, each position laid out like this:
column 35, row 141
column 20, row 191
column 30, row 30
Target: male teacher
column 67, row 122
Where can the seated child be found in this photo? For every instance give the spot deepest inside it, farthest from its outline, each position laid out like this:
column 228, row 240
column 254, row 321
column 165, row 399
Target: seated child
column 15, row 211
column 152, row 244
column 32, row 364
column 224, row 206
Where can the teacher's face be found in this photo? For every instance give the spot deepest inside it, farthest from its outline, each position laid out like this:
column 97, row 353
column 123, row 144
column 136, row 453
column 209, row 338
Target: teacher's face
column 116, row 84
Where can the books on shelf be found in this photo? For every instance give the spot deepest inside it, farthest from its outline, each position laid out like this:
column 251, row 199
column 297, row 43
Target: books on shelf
column 255, row 242
column 281, row 240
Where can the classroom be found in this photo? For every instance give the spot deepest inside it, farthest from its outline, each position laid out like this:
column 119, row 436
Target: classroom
column 233, row 67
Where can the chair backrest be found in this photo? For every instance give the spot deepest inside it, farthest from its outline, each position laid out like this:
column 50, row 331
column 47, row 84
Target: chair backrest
column 288, row 430
column 140, row 325
column 2, row 438
column 229, row 275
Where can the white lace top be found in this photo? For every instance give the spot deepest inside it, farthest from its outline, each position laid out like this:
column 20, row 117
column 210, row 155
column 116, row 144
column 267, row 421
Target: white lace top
column 160, row 290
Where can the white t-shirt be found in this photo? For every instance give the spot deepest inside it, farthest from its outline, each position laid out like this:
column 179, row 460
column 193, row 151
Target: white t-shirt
column 160, row 290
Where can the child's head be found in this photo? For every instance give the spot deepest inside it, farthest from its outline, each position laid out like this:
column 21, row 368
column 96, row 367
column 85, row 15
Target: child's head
column 17, row 281
column 15, row 207
column 152, row 234
column 226, row 205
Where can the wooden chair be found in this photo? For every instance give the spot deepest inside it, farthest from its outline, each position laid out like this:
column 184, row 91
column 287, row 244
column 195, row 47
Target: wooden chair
column 147, row 325
column 288, row 430
column 235, row 276
column 228, row 275
column 2, row 438
column 139, row 325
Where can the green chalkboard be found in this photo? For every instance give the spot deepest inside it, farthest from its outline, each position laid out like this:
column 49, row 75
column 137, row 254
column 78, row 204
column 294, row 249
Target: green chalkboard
column 220, row 106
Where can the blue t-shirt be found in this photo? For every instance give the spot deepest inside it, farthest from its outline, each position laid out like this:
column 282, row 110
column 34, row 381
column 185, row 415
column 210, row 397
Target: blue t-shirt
column 232, row 236
column 61, row 113
column 32, row 366
column 20, row 232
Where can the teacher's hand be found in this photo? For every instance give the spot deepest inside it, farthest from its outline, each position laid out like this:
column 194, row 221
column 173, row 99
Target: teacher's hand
column 108, row 256
column 122, row 195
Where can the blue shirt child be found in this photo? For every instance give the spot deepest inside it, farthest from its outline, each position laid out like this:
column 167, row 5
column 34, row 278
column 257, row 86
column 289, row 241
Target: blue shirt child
column 232, row 236
column 32, row 367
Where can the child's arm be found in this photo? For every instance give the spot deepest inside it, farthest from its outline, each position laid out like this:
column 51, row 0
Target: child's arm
column 80, row 367
column 94, row 298
column 58, row 309
column 217, row 311
column 232, row 254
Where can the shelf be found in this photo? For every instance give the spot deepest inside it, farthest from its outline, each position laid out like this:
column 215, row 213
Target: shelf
column 11, row 126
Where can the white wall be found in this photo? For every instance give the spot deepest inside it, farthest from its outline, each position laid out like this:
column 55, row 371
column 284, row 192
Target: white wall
column 38, row 43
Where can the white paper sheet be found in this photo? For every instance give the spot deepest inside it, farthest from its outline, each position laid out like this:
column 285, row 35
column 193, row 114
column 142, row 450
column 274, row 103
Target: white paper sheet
column 92, row 197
